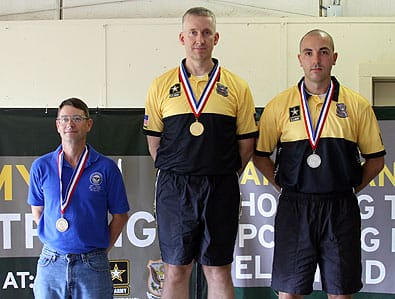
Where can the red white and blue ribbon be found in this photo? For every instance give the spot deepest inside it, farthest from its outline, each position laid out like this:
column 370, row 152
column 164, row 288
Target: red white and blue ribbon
column 79, row 169
column 315, row 134
column 198, row 106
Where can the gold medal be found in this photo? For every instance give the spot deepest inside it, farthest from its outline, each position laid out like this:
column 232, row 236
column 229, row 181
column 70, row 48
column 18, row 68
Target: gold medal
column 196, row 128
column 62, row 225
column 197, row 106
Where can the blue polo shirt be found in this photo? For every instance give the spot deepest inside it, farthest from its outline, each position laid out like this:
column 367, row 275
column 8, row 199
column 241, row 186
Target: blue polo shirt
column 100, row 190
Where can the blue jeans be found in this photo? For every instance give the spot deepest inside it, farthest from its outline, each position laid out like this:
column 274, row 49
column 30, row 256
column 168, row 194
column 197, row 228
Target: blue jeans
column 79, row 276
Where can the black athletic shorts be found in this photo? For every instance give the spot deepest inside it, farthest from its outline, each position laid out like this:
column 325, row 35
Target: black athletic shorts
column 317, row 229
column 197, row 218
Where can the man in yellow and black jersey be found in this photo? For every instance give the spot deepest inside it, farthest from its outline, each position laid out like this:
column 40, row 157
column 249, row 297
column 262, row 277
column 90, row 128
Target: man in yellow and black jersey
column 200, row 126
column 320, row 129
column 227, row 117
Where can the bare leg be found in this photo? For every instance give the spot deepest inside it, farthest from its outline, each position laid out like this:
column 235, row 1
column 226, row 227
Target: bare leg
column 339, row 296
column 176, row 284
column 219, row 282
column 282, row 295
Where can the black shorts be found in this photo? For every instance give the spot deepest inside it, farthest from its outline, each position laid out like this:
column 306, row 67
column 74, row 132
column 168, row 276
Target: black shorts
column 197, row 218
column 317, row 229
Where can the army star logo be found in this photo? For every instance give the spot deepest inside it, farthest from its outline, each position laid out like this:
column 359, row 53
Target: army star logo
column 294, row 113
column 116, row 273
column 175, row 90
column 119, row 270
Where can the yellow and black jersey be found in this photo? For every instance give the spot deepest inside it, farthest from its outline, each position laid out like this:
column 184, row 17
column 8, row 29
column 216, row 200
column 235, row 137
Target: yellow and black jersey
column 228, row 116
column 350, row 130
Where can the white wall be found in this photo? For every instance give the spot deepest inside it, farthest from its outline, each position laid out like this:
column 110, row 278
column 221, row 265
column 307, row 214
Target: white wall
column 111, row 63
column 111, row 58
column 88, row 9
column 93, row 9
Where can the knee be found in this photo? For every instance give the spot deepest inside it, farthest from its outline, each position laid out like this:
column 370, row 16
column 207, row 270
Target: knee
column 177, row 274
column 220, row 274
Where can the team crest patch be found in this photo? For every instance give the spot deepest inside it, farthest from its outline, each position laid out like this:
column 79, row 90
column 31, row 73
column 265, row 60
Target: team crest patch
column 156, row 277
column 96, row 180
column 294, row 113
column 341, row 110
column 222, row 90
column 120, row 277
column 175, row 90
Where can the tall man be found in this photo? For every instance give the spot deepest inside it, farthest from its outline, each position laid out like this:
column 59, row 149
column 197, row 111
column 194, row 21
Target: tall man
column 320, row 128
column 72, row 190
column 200, row 127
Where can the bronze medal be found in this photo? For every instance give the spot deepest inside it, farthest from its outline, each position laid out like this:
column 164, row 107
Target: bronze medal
column 196, row 128
column 62, row 225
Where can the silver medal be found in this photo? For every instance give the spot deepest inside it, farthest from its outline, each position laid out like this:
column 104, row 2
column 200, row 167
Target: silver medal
column 62, row 225
column 314, row 160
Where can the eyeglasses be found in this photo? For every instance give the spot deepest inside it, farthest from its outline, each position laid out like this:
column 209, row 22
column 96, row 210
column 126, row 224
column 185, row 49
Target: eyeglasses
column 75, row 118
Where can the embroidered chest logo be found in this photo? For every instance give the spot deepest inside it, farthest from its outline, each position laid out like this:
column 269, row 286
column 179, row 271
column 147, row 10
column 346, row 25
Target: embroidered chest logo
column 175, row 90
column 341, row 110
column 222, row 90
column 96, row 179
column 294, row 113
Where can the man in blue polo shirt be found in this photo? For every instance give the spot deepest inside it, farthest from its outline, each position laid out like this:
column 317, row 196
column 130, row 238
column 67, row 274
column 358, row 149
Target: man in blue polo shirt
column 71, row 192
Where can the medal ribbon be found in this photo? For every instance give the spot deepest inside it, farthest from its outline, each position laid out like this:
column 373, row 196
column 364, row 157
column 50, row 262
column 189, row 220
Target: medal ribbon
column 197, row 107
column 64, row 202
column 314, row 135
